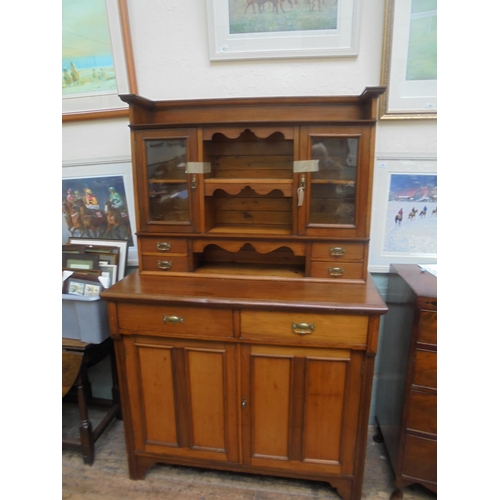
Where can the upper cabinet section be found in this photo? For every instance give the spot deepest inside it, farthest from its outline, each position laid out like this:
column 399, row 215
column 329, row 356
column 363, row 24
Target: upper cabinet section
column 285, row 166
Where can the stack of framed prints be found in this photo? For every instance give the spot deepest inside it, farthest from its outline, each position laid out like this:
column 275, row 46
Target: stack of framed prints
column 89, row 265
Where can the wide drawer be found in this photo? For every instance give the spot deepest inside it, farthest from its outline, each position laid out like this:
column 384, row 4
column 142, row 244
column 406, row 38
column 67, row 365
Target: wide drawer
column 338, row 251
column 165, row 263
column 308, row 328
column 420, row 459
column 422, row 412
column 427, row 328
column 341, row 270
column 163, row 245
column 425, row 373
column 172, row 319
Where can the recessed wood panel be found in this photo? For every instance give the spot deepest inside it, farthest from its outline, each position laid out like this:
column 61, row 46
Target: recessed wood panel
column 324, row 404
column 270, row 405
column 205, row 369
column 157, row 389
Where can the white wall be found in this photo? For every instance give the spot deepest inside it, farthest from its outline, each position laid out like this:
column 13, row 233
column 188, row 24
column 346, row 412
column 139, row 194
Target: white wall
column 170, row 44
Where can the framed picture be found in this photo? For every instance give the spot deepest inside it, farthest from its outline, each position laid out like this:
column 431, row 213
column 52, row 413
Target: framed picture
column 100, row 203
column 108, row 272
column 409, row 62
column 404, row 213
column 80, row 261
column 97, row 61
column 259, row 29
column 121, row 244
column 83, row 286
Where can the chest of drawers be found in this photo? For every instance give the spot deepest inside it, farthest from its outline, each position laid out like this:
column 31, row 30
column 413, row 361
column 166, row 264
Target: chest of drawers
column 406, row 411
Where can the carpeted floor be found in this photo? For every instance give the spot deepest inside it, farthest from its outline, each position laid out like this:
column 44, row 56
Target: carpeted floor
column 107, row 478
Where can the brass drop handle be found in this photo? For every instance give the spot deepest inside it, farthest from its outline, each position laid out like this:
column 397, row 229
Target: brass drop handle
column 164, row 246
column 335, row 271
column 302, row 328
column 173, row 319
column 165, row 264
column 244, row 402
column 337, row 251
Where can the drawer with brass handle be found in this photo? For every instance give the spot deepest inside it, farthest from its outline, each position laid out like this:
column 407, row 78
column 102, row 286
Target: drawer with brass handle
column 344, row 270
column 308, row 328
column 338, row 251
column 173, row 319
column 163, row 245
column 168, row 263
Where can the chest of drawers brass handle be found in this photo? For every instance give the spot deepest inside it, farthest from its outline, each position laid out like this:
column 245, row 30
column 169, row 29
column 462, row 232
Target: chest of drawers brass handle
column 162, row 246
column 337, row 251
column 302, row 328
column 173, row 319
column 165, row 264
column 335, row 271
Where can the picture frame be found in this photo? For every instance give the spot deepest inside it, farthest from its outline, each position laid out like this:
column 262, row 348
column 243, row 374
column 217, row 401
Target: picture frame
column 412, row 240
column 409, row 60
column 76, row 172
column 82, row 286
column 80, row 261
column 84, row 96
column 121, row 244
column 235, row 32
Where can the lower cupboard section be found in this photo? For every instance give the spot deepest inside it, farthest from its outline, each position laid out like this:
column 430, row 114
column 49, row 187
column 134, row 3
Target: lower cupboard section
column 275, row 407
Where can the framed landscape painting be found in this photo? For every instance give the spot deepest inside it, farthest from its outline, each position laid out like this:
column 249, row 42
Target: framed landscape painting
column 97, row 62
column 257, row 29
column 409, row 64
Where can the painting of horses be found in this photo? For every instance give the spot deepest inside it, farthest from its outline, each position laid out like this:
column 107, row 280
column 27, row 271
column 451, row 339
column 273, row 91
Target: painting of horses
column 95, row 207
column 262, row 16
column 411, row 218
column 87, row 57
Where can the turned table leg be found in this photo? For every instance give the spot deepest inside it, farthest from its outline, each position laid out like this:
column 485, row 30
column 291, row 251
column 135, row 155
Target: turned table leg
column 86, row 435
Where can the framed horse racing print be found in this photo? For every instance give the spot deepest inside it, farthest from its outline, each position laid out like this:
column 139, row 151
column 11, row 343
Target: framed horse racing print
column 404, row 213
column 99, row 205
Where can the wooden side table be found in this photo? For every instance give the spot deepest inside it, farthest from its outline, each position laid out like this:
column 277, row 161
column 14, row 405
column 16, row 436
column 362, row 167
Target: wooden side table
column 77, row 358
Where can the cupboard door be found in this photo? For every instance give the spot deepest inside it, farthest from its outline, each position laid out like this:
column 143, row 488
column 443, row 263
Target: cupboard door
column 336, row 195
column 300, row 407
column 167, row 196
column 183, row 397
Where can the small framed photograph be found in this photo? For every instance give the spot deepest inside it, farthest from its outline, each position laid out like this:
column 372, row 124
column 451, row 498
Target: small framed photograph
column 91, row 290
column 75, row 287
column 80, row 261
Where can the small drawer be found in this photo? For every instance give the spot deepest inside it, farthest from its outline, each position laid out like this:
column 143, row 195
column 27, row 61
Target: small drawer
column 167, row 263
column 427, row 328
column 178, row 320
column 340, row 270
column 163, row 245
column 425, row 369
column 338, row 251
column 307, row 328
column 422, row 412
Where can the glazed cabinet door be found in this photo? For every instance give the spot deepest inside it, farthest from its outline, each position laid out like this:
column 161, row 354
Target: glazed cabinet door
column 167, row 195
column 300, row 407
column 336, row 193
column 183, row 397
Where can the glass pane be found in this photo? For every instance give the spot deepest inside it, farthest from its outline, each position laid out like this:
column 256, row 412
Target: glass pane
column 333, row 188
column 167, row 179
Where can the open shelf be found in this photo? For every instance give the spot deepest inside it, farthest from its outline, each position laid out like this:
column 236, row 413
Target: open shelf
column 260, row 186
column 262, row 270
